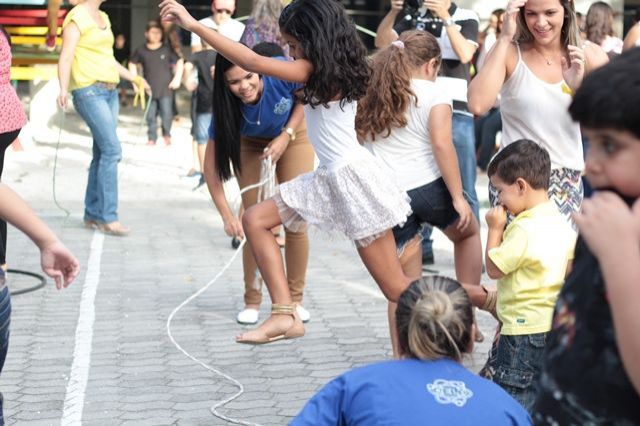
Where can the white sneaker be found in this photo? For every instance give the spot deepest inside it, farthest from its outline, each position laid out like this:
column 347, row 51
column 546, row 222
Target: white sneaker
column 247, row 316
column 304, row 315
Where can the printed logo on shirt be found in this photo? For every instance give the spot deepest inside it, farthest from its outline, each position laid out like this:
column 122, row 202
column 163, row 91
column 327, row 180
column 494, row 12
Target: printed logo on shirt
column 283, row 106
column 450, row 392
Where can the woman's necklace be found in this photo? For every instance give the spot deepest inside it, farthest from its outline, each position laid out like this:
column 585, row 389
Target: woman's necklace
column 547, row 60
column 257, row 123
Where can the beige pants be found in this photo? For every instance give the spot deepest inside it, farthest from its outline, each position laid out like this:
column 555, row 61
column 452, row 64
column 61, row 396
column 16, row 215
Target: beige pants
column 297, row 159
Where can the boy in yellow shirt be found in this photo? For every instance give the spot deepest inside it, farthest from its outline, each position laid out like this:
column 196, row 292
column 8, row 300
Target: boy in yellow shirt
column 529, row 258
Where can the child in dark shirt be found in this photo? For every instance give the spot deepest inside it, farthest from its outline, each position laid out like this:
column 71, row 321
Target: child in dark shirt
column 162, row 68
column 591, row 370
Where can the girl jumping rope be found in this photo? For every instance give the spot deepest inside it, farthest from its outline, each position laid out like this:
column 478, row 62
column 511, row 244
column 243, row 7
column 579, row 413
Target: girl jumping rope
column 406, row 120
column 348, row 192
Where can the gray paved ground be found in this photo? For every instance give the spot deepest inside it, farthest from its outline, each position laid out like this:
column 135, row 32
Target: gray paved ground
column 136, row 375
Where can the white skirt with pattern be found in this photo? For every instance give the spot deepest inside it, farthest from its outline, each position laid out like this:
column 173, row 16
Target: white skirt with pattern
column 357, row 199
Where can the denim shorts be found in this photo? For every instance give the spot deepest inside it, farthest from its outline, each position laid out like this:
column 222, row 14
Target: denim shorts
column 515, row 363
column 430, row 204
column 201, row 127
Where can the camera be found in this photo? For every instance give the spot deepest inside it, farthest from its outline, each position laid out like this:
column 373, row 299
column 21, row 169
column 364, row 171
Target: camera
column 415, row 12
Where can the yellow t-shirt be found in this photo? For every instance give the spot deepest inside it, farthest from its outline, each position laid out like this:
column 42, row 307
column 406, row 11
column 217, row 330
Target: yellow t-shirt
column 93, row 57
column 535, row 250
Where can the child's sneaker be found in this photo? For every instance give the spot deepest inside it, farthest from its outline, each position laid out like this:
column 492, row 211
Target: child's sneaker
column 167, row 140
column 151, row 142
column 50, row 43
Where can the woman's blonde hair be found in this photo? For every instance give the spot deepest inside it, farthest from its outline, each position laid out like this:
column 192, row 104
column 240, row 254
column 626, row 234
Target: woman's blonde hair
column 266, row 11
column 434, row 319
column 599, row 22
column 385, row 103
column 569, row 34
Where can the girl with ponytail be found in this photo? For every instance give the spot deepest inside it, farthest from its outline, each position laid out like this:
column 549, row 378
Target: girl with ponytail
column 428, row 385
column 405, row 121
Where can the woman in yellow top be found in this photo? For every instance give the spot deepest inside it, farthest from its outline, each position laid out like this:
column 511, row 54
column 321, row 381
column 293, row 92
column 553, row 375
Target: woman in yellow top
column 88, row 69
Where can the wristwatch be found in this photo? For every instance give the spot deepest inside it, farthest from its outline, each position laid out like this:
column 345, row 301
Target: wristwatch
column 290, row 132
column 448, row 22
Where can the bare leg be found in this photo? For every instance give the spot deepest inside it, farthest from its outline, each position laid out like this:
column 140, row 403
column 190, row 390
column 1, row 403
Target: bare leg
column 53, row 6
column 467, row 252
column 257, row 222
column 201, row 149
column 382, row 262
column 411, row 262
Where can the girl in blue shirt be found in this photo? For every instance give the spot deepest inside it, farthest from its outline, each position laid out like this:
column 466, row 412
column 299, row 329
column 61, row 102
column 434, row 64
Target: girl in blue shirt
column 429, row 386
column 255, row 117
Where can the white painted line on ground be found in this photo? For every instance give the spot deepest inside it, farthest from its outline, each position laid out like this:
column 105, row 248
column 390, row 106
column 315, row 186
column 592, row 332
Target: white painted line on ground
column 77, row 384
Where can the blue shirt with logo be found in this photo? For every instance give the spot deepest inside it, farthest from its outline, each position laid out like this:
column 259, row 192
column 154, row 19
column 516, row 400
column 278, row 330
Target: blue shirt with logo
column 412, row 392
column 272, row 111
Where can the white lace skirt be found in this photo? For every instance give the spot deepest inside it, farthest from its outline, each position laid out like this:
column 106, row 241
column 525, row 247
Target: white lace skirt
column 357, row 199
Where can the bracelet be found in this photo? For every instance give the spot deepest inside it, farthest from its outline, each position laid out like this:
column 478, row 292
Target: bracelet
column 291, row 132
column 491, row 300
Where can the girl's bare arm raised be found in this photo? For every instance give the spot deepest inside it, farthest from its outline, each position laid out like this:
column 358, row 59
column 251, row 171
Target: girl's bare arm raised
column 297, row 71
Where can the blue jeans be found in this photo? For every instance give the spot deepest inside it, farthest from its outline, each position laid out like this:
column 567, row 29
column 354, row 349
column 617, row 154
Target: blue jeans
column 165, row 107
column 98, row 107
column 5, row 320
column 486, row 129
column 515, row 363
column 464, row 142
column 202, row 123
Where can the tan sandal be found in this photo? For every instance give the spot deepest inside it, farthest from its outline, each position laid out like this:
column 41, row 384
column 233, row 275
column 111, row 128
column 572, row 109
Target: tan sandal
column 296, row 330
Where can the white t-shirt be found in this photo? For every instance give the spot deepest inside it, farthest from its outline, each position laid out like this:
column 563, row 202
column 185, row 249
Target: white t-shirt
column 231, row 28
column 407, row 150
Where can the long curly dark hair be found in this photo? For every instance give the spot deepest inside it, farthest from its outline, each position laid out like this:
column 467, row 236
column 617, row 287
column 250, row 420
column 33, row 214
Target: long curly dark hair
column 385, row 104
column 330, row 42
column 227, row 114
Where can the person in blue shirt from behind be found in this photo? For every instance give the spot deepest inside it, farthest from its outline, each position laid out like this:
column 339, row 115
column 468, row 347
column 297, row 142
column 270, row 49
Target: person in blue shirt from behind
column 435, row 328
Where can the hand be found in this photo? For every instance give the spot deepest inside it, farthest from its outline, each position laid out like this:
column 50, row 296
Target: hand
column 606, row 223
column 496, row 218
column 464, row 210
column 172, row 11
column 510, row 23
column 59, row 263
column 573, row 71
column 174, row 85
column 233, row 227
column 438, row 8
column 276, row 147
column 63, row 100
column 396, row 6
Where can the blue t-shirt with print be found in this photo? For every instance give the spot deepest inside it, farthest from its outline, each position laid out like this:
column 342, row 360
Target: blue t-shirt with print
column 272, row 111
column 412, row 392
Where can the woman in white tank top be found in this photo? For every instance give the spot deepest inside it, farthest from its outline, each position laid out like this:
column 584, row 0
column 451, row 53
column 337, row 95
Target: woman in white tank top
column 536, row 77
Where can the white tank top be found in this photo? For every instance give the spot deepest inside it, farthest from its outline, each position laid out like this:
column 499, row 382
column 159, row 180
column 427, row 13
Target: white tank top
column 332, row 133
column 536, row 110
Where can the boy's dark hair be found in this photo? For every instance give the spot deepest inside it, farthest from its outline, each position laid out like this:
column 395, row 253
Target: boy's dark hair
column 522, row 159
column 609, row 97
column 268, row 49
column 153, row 24
column 328, row 38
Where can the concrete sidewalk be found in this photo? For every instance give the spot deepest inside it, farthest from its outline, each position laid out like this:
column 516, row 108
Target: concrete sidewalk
column 125, row 369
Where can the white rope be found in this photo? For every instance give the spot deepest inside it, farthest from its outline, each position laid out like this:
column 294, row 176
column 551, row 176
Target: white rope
column 266, row 188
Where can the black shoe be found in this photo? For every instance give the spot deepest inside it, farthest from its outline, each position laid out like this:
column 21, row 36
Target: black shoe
column 200, row 182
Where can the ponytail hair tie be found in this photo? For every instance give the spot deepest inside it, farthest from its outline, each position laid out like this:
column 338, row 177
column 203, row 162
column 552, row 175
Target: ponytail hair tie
column 398, row 43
